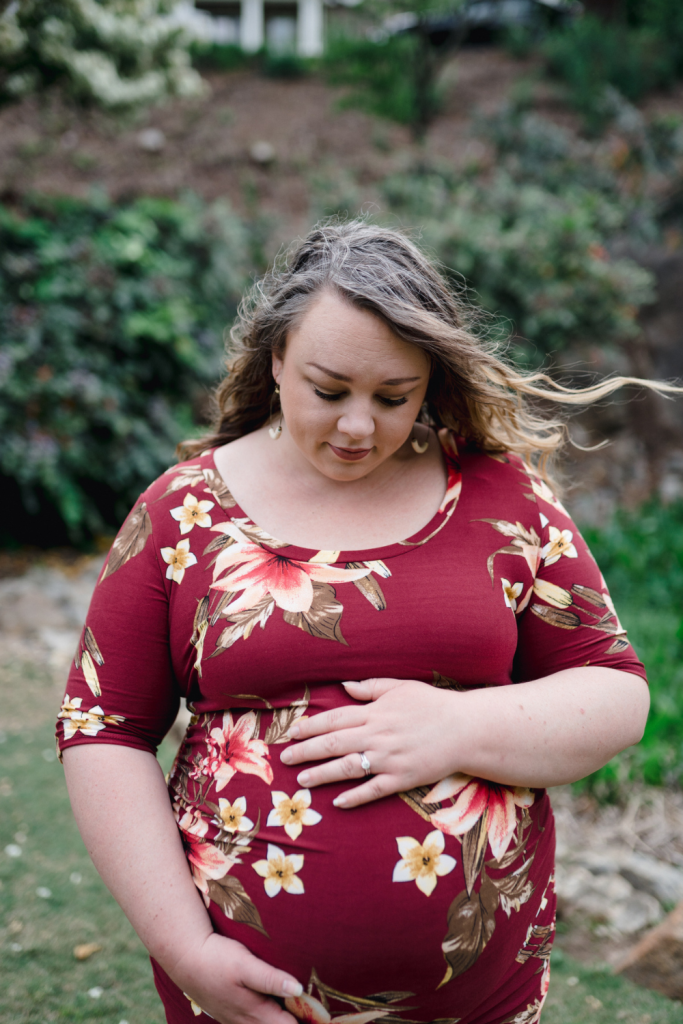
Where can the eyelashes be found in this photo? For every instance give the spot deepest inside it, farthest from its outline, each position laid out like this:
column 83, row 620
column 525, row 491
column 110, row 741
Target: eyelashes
column 390, row 402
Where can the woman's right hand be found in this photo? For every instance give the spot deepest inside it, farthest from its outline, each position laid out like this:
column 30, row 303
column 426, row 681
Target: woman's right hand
column 232, row 985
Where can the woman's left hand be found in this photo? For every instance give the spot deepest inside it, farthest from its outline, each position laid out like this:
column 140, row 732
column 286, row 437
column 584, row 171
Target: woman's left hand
column 406, row 731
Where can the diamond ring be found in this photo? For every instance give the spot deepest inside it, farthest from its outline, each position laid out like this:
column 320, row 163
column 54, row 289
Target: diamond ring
column 364, row 763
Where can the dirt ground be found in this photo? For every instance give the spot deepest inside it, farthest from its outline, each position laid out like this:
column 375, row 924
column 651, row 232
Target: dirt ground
column 45, row 146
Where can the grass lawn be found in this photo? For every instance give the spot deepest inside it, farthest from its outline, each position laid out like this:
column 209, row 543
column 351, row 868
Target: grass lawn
column 52, row 900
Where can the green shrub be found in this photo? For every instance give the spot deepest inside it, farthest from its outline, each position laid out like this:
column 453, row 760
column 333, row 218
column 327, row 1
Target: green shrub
column 641, row 555
column 535, row 257
column 219, row 56
column 378, row 74
column 111, row 317
column 590, row 54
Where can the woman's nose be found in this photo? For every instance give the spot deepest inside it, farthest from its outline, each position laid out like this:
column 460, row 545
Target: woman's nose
column 356, row 422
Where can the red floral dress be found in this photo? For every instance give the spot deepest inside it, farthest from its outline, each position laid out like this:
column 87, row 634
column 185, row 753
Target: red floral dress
column 434, row 905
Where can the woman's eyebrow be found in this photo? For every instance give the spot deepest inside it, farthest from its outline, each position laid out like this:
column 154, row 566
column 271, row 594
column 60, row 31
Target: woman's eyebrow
column 340, row 376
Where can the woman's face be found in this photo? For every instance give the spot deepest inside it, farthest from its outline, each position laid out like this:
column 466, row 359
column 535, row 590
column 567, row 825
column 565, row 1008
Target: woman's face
column 350, row 388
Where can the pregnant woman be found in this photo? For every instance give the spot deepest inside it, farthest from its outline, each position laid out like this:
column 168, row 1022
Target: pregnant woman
column 392, row 639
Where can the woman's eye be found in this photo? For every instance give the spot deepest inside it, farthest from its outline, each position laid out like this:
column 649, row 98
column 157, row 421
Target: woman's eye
column 328, row 397
column 392, row 401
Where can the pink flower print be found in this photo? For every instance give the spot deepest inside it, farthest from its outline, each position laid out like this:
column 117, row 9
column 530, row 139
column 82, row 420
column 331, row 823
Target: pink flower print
column 310, row 1010
column 206, row 862
column 476, row 798
column 234, row 750
column 259, row 573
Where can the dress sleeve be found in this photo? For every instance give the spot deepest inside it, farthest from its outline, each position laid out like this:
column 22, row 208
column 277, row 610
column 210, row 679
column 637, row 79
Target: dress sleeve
column 121, row 688
column 567, row 618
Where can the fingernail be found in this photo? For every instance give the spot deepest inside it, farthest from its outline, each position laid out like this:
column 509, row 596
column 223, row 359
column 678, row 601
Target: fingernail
column 294, row 732
column 292, row 988
column 286, row 756
column 303, row 779
column 339, row 801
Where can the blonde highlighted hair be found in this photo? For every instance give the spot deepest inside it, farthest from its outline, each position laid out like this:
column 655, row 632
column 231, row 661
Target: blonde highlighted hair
column 471, row 390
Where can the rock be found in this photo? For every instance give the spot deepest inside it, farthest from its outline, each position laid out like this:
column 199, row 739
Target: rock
column 262, row 152
column 660, row 880
column 605, row 897
column 635, row 913
column 657, row 960
column 152, row 140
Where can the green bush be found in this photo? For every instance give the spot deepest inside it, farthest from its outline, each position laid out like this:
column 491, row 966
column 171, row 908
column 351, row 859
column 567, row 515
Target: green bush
column 112, row 318
column 641, row 555
column 378, row 74
column 537, row 258
column 590, row 54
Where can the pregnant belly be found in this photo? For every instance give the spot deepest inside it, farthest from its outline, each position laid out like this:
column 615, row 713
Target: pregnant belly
column 375, row 905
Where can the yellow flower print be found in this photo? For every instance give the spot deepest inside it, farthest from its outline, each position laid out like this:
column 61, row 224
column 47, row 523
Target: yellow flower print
column 280, row 872
column 558, row 597
column 179, row 559
column 511, row 592
column 422, row 863
column 232, row 817
column 293, row 813
column 88, row 722
column 560, row 544
column 192, row 513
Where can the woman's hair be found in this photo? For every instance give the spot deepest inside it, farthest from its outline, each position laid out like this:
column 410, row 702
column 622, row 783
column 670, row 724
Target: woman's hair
column 471, row 389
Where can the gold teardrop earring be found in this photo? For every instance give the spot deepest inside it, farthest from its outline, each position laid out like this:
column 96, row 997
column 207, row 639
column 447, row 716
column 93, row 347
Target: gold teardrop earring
column 419, row 447
column 275, row 432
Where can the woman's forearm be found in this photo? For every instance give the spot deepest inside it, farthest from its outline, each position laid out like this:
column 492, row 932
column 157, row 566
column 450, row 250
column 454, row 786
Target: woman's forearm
column 550, row 731
column 122, row 809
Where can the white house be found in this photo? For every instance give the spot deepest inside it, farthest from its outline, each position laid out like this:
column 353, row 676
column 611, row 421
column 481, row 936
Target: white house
column 282, row 24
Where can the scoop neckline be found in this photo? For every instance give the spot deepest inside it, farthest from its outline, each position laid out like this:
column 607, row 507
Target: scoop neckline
column 304, row 554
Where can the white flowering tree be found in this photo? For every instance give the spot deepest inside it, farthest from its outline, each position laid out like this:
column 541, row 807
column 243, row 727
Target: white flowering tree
column 115, row 53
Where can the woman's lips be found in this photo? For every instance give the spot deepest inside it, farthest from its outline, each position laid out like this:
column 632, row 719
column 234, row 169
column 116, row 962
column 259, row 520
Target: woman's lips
column 350, row 454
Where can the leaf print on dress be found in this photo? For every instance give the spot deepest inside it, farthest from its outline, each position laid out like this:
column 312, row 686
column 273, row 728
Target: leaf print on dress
column 292, row 813
column 236, row 748
column 525, row 542
column 284, row 719
column 311, row 1010
column 130, row 541
column 565, row 613
column 471, row 923
column 88, row 654
column 216, row 486
column 88, row 722
column 280, row 871
column 192, row 513
column 179, row 559
column 493, row 802
column 423, row 862
column 323, row 618
column 369, row 587
column 185, row 476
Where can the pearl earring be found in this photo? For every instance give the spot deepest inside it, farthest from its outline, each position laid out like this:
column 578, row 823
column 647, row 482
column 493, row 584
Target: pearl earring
column 418, row 447
column 275, row 432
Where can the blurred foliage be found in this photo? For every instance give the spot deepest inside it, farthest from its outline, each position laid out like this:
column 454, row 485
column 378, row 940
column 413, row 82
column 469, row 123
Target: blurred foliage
column 642, row 53
column 533, row 235
column 231, row 57
column 641, row 555
column 376, row 73
column 114, row 53
column 112, row 317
